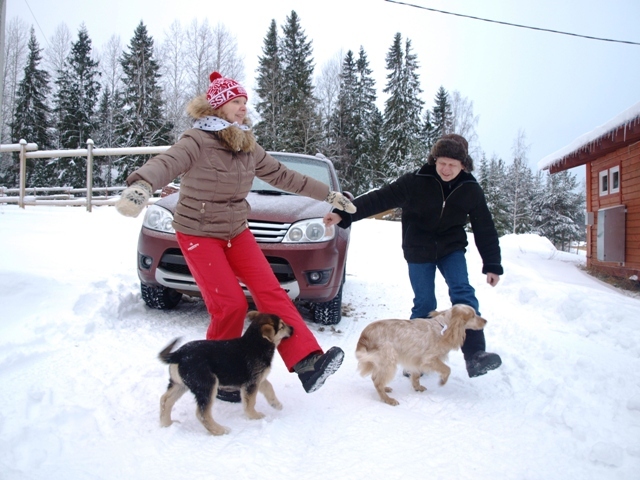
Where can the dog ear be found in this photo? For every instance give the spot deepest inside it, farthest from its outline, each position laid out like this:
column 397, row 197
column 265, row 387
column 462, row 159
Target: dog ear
column 252, row 315
column 268, row 332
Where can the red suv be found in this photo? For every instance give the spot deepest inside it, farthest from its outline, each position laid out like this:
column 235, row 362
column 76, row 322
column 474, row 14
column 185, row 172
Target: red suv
column 307, row 258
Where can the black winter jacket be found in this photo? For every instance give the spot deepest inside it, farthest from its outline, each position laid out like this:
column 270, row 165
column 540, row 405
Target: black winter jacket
column 433, row 227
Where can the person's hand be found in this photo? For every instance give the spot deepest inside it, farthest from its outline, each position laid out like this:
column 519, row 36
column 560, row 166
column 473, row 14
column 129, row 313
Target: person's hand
column 493, row 279
column 331, row 219
column 340, row 202
column 134, row 198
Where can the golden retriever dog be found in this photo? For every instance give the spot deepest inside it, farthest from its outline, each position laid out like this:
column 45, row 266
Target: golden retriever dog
column 204, row 366
column 419, row 345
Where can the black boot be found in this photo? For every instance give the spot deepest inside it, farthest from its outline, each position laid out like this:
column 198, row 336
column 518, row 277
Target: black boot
column 316, row 368
column 231, row 396
column 482, row 362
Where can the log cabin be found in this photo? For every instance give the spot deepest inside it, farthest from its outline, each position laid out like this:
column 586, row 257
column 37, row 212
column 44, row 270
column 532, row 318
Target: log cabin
column 611, row 155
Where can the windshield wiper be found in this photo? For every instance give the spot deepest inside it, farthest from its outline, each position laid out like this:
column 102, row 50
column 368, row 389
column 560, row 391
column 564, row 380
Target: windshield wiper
column 271, row 192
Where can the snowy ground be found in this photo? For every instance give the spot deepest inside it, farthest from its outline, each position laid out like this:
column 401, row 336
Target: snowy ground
column 81, row 381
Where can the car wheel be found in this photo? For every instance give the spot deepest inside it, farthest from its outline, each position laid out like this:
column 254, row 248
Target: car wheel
column 328, row 313
column 159, row 297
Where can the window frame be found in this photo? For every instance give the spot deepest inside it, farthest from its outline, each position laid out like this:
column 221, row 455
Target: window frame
column 614, row 170
column 603, row 175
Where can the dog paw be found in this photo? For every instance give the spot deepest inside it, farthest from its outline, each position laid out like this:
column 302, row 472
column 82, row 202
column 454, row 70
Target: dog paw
column 388, row 389
column 166, row 423
column 277, row 405
column 420, row 388
column 391, row 401
column 219, row 431
column 255, row 415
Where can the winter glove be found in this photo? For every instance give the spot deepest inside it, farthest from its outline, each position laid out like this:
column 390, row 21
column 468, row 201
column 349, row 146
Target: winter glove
column 134, row 198
column 340, row 202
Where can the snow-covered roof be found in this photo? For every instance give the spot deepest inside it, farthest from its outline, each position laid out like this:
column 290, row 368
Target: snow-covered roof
column 626, row 119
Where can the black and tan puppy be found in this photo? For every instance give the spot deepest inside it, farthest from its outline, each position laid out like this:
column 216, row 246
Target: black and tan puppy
column 204, row 366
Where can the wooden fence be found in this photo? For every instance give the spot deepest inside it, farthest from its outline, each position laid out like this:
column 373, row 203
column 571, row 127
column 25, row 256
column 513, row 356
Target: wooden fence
column 65, row 195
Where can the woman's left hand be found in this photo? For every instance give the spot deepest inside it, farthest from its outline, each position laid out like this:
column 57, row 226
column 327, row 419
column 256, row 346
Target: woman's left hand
column 493, row 279
column 340, row 202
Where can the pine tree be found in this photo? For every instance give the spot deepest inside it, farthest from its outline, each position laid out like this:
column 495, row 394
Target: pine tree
column 301, row 125
column 140, row 117
column 270, row 93
column 31, row 121
column 561, row 217
column 441, row 117
column 493, row 178
column 343, row 123
column 404, row 149
column 75, row 102
column 367, row 152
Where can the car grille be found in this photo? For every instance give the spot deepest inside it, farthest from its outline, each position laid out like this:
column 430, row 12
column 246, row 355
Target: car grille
column 268, row 232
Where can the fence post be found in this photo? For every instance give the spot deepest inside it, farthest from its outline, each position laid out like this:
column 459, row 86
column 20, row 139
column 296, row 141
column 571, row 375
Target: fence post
column 23, row 172
column 89, row 173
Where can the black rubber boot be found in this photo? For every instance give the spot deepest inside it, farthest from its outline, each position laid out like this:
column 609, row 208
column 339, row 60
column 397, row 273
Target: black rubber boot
column 316, row 368
column 482, row 362
column 231, row 396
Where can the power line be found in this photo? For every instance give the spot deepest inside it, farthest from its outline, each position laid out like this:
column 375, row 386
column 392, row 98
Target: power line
column 513, row 24
column 36, row 20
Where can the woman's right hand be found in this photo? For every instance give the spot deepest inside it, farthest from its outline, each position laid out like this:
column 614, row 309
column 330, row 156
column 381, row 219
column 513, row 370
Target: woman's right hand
column 134, row 198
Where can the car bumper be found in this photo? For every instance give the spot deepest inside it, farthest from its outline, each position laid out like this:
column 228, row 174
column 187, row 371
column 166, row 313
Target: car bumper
column 160, row 262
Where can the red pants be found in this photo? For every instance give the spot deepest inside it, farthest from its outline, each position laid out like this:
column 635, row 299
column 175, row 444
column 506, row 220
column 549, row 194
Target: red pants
column 216, row 268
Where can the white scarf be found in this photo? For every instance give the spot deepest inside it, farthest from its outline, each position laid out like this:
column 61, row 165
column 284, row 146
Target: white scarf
column 215, row 124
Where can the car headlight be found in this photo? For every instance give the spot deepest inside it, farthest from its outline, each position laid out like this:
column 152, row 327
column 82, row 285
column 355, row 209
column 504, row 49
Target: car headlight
column 158, row 219
column 309, row 231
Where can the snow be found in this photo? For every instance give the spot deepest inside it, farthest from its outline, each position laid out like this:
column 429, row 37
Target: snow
column 623, row 119
column 82, row 383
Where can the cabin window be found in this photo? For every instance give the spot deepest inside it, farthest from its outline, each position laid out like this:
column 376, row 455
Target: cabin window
column 604, row 182
column 614, row 179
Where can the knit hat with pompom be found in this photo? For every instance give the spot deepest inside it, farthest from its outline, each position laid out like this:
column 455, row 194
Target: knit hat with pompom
column 223, row 90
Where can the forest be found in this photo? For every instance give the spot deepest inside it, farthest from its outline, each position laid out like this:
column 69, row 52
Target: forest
column 135, row 95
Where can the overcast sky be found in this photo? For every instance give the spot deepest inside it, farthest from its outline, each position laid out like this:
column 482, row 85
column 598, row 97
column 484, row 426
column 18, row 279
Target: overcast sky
column 553, row 87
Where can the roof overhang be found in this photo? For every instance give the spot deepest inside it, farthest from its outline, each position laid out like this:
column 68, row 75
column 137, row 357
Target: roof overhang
column 615, row 139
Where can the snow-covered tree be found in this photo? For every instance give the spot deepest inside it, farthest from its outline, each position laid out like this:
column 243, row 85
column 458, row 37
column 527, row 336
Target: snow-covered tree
column 174, row 78
column 492, row 176
column 327, row 90
column 561, row 210
column 441, row 119
column 76, row 100
column 271, row 92
column 31, row 120
column 15, row 54
column 403, row 145
column 140, row 116
column 301, row 126
column 518, row 187
column 208, row 49
column 464, row 121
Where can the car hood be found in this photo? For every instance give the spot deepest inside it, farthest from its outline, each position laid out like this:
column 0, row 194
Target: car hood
column 285, row 208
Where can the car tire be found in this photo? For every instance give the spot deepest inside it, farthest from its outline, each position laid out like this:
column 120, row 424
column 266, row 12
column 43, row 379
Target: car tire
column 328, row 313
column 159, row 297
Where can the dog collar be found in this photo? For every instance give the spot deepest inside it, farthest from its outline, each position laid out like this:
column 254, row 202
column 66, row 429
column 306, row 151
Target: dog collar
column 444, row 327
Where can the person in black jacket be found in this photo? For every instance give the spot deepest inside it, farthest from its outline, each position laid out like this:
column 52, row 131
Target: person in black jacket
column 437, row 201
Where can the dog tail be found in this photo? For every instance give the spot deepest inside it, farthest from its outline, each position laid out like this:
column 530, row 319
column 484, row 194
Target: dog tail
column 365, row 365
column 166, row 355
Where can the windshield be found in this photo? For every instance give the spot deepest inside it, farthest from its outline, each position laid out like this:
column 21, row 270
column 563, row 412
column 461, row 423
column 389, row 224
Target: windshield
column 307, row 166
